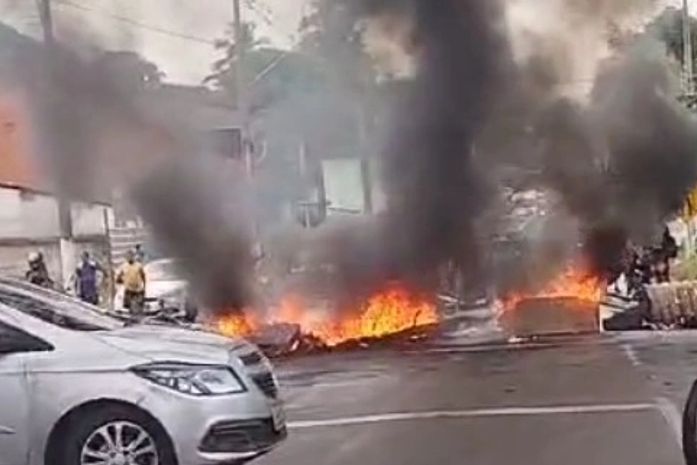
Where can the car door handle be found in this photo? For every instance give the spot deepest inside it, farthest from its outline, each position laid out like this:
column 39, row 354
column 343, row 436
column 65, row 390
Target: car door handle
column 4, row 430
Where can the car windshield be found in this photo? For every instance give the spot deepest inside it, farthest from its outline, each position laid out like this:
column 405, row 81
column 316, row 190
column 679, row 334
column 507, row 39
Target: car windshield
column 55, row 308
column 162, row 270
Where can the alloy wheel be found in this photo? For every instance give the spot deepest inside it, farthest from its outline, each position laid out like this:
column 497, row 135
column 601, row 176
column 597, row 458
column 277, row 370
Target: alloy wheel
column 119, row 443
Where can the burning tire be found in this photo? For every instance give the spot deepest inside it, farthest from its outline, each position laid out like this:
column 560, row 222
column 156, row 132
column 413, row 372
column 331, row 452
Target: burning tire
column 115, row 435
column 689, row 428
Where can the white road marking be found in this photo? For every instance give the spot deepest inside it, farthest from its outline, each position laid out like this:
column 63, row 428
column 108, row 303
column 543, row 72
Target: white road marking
column 631, row 355
column 672, row 416
column 476, row 413
column 668, row 410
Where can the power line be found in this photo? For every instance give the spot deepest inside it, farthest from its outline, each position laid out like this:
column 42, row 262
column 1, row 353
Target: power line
column 135, row 23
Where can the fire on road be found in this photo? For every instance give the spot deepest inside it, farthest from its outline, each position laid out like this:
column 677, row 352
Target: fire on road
column 389, row 312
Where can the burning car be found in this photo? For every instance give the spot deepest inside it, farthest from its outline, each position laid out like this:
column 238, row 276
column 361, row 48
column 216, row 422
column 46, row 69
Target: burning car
column 80, row 387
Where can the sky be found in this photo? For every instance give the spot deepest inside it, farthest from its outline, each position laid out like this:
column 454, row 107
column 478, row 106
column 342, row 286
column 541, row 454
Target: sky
column 175, row 34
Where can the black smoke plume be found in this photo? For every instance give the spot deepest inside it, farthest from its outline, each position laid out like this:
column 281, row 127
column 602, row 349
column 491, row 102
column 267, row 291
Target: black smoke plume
column 95, row 134
column 435, row 193
column 621, row 160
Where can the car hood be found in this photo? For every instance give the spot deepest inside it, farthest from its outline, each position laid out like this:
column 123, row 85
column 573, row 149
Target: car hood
column 161, row 343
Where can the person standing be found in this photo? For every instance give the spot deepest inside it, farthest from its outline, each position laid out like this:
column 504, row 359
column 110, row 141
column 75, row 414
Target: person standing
column 86, row 279
column 669, row 247
column 139, row 254
column 662, row 257
column 132, row 276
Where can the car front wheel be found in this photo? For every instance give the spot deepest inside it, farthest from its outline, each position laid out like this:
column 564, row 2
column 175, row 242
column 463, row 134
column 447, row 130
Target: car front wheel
column 114, row 435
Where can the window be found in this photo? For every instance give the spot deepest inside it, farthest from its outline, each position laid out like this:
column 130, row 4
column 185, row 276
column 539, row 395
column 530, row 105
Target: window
column 57, row 309
column 8, row 332
column 13, row 340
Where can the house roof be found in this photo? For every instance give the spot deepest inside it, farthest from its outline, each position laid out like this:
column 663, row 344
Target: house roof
column 204, row 109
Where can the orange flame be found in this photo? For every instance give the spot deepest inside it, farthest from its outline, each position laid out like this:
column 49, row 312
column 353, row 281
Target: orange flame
column 389, row 312
column 237, row 325
column 573, row 282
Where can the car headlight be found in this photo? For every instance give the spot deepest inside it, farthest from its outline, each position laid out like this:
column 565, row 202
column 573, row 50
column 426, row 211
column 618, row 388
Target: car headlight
column 195, row 380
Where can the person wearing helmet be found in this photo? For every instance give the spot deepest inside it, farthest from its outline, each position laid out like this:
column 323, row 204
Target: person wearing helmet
column 38, row 272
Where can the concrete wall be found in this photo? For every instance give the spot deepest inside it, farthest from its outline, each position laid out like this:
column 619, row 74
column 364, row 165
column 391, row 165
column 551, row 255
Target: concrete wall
column 27, row 215
column 13, row 257
column 29, row 223
column 90, row 219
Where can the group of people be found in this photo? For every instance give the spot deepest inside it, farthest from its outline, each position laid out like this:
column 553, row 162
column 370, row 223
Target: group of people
column 650, row 265
column 89, row 274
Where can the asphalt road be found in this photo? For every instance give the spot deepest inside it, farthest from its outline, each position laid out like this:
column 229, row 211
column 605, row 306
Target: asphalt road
column 579, row 402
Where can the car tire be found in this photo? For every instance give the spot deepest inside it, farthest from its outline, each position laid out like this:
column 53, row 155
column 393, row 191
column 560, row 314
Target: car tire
column 85, row 428
column 689, row 428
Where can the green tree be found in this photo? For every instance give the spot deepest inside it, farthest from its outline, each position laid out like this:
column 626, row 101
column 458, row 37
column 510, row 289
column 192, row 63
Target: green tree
column 224, row 70
column 331, row 33
column 308, row 100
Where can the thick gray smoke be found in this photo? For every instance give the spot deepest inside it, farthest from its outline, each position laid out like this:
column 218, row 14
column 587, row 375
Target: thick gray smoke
column 620, row 160
column 476, row 108
column 624, row 162
column 434, row 191
column 197, row 208
column 96, row 133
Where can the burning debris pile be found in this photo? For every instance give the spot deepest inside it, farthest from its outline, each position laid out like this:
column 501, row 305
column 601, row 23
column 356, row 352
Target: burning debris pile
column 486, row 95
column 576, row 283
column 569, row 303
column 292, row 325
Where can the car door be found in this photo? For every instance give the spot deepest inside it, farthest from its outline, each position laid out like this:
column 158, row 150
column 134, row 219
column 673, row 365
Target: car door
column 15, row 346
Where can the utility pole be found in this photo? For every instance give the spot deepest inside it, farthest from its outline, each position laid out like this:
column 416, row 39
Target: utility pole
column 240, row 85
column 44, row 7
column 689, row 98
column 687, row 50
column 243, row 111
column 67, row 244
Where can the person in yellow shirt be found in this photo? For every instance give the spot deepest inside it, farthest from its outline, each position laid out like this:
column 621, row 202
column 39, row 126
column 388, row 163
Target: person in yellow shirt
column 132, row 276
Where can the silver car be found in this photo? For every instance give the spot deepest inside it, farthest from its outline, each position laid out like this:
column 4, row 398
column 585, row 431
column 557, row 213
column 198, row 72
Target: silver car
column 78, row 387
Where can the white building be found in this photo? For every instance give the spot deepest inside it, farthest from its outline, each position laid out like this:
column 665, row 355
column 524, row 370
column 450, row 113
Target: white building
column 29, row 219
